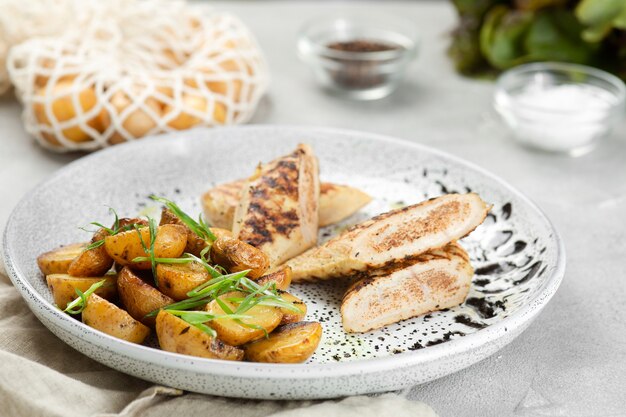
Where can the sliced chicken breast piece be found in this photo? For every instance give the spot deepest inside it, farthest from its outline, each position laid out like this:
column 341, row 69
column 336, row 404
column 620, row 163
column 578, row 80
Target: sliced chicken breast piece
column 392, row 237
column 278, row 211
column 219, row 203
column 337, row 202
column 435, row 280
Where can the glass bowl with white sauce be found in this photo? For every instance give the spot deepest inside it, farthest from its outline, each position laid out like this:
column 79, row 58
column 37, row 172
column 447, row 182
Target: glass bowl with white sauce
column 559, row 107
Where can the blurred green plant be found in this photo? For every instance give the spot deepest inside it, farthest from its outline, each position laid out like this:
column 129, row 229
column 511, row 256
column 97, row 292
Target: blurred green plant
column 493, row 35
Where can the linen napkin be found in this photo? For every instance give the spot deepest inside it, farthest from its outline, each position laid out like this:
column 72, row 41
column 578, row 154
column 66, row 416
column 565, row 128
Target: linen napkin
column 42, row 376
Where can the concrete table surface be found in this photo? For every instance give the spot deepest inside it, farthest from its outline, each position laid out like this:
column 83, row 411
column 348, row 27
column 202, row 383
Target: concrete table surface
column 572, row 360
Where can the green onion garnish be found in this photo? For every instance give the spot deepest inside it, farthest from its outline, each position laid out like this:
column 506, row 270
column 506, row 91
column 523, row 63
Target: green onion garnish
column 199, row 227
column 78, row 305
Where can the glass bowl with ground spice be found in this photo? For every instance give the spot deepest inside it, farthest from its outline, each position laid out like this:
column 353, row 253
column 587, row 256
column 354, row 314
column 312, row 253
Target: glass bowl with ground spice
column 360, row 57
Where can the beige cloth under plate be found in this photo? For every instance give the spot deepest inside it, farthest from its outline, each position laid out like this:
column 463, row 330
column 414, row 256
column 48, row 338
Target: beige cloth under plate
column 42, row 376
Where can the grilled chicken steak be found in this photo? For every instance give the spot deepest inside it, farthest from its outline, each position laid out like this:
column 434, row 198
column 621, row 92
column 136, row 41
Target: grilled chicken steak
column 433, row 281
column 337, row 202
column 278, row 210
column 392, row 237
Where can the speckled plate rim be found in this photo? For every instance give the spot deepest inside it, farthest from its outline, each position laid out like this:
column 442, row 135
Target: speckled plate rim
column 290, row 371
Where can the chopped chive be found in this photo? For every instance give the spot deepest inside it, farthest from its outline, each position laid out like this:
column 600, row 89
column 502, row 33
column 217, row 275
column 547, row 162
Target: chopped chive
column 78, row 305
column 94, row 245
column 152, row 226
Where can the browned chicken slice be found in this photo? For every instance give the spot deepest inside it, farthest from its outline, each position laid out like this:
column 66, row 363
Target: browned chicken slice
column 219, row 203
column 279, row 207
column 337, row 202
column 435, row 280
column 392, row 237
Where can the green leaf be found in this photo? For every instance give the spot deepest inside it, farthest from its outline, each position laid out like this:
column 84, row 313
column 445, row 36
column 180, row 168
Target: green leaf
column 534, row 5
column 601, row 17
column 224, row 306
column 556, row 36
column 502, row 36
column 599, row 12
column 474, row 8
column 94, row 245
column 164, row 260
column 213, row 284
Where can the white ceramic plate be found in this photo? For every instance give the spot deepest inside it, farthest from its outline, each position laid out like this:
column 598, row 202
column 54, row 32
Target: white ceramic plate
column 518, row 256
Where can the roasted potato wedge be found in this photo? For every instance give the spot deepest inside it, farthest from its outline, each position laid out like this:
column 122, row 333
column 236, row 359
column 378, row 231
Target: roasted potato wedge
column 290, row 343
column 63, row 287
column 123, row 247
column 176, row 280
column 138, row 297
column 290, row 316
column 195, row 243
column 110, row 319
column 127, row 221
column 93, row 262
column 281, row 277
column 237, row 334
column 236, row 255
column 176, row 335
column 58, row 261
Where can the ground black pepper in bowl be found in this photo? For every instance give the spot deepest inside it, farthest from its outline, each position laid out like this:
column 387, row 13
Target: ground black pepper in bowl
column 359, row 57
column 362, row 45
column 359, row 72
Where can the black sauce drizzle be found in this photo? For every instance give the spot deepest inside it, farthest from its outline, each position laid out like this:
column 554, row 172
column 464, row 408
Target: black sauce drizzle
column 486, row 309
column 467, row 320
column 507, row 209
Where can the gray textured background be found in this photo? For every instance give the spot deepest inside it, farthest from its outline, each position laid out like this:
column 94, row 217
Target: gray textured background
column 572, row 360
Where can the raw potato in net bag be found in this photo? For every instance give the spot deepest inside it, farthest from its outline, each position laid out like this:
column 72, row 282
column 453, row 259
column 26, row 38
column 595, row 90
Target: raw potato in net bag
column 21, row 20
column 129, row 71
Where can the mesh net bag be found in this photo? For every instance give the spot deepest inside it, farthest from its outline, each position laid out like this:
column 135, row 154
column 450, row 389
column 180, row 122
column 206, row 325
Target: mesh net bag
column 21, row 20
column 134, row 68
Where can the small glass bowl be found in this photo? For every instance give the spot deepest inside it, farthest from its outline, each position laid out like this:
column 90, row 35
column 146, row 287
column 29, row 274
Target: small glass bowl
column 361, row 75
column 558, row 107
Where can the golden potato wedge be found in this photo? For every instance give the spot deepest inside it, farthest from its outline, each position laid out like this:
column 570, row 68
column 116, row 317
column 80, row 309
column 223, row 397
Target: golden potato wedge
column 176, row 280
column 63, row 287
column 93, row 262
column 195, row 243
column 110, row 319
column 178, row 336
column 237, row 334
column 290, row 316
column 127, row 221
column 282, row 278
column 58, row 261
column 138, row 297
column 236, row 255
column 290, row 343
column 123, row 247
